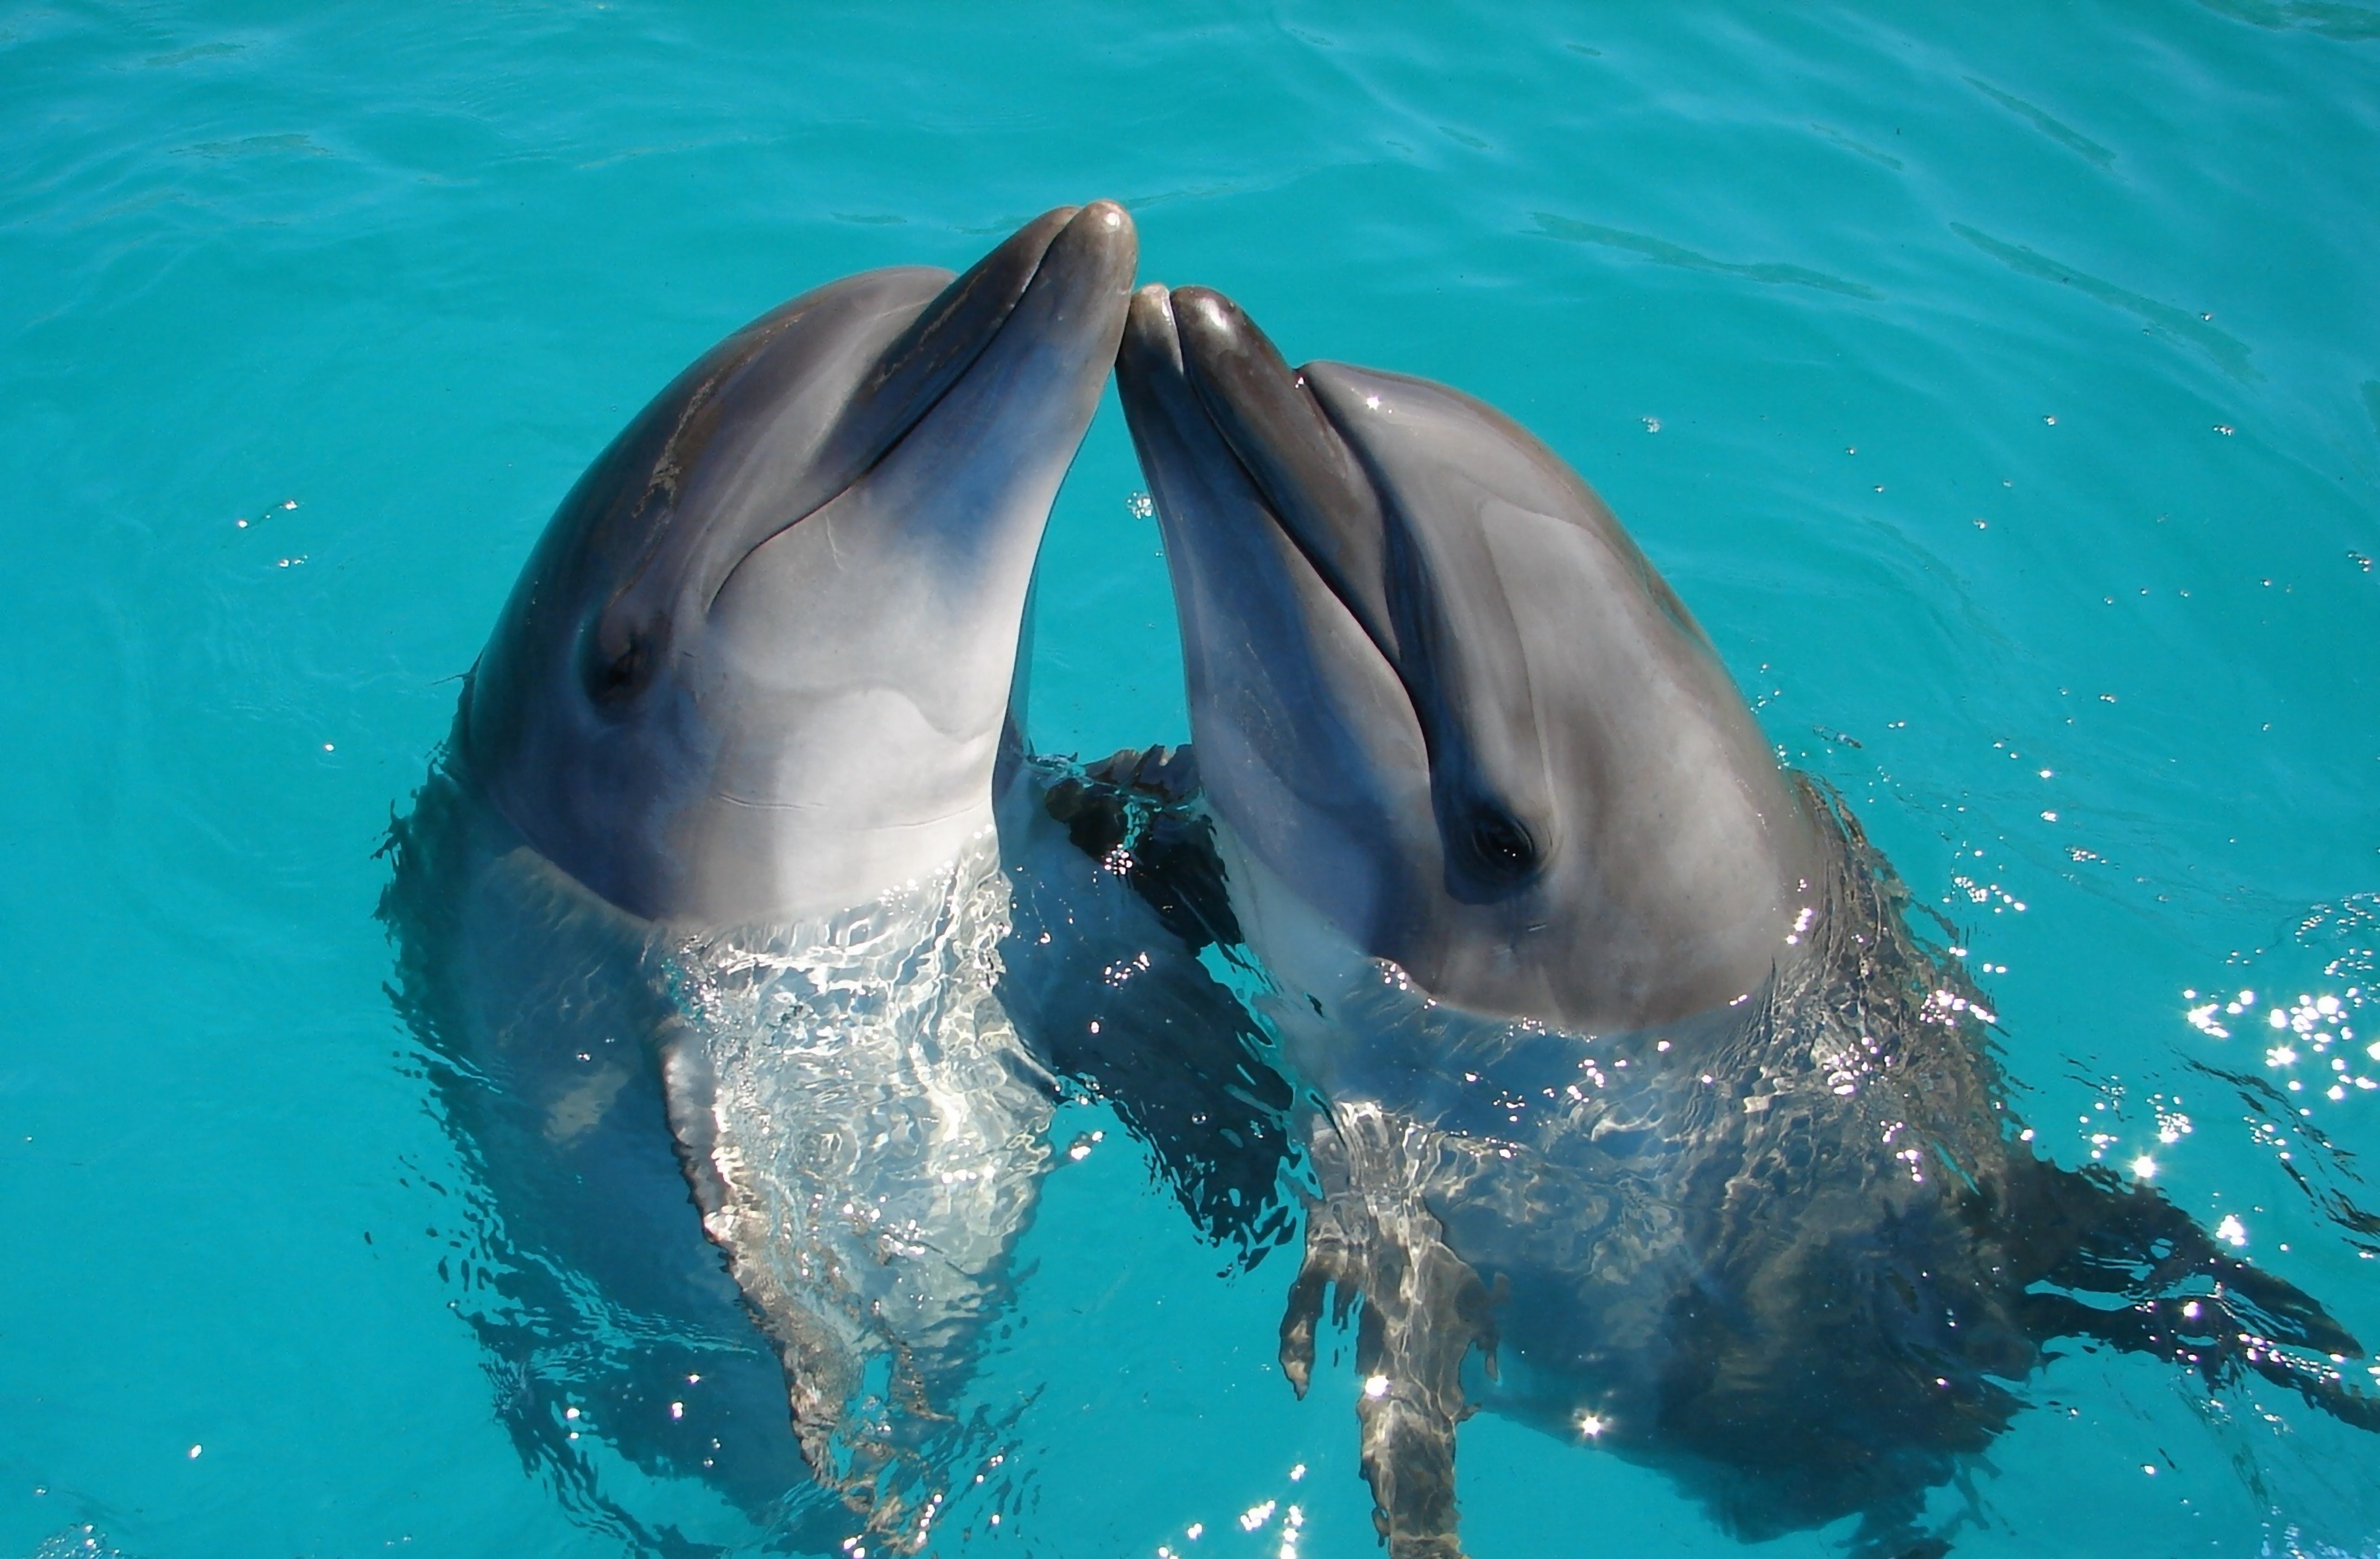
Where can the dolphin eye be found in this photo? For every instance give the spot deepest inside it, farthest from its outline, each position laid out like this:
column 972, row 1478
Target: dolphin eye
column 623, row 673
column 615, row 677
column 1500, row 845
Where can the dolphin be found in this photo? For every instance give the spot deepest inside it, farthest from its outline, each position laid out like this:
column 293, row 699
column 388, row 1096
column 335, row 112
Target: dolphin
column 705, row 892
column 1646, row 1116
column 758, row 665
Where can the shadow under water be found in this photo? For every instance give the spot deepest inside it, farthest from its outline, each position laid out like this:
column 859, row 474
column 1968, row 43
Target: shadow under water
column 645, row 1368
column 609, row 1325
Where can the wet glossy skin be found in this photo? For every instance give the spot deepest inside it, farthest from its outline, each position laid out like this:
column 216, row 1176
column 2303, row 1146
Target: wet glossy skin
column 1440, row 700
column 750, row 686
column 1740, row 1196
column 758, row 664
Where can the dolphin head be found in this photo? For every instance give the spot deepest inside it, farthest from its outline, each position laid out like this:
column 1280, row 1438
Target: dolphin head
column 758, row 664
column 1443, row 705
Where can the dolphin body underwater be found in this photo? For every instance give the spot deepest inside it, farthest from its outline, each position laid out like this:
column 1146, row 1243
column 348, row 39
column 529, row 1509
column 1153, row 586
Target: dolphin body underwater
column 1634, row 1085
column 734, row 876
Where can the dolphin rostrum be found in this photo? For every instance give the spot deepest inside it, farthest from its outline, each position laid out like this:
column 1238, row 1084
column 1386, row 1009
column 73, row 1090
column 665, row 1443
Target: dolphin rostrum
column 1639, row 1086
column 711, row 854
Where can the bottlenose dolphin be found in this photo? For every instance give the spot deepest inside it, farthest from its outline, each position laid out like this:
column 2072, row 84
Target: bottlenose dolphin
column 709, row 864
column 1641, row 1091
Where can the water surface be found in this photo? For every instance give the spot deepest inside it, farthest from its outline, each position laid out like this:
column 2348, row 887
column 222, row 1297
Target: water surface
column 2001, row 389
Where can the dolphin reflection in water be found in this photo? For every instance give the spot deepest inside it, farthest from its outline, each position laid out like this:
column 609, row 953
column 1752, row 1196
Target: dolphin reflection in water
column 1645, row 1119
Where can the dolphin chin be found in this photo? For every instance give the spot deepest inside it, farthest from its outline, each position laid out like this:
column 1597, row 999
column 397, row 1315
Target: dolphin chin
column 1637, row 1077
column 707, row 891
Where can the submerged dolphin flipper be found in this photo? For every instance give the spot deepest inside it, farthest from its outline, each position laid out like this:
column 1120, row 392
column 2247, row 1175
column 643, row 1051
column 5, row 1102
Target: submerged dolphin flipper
column 2120, row 1264
column 1634, row 1073
column 1372, row 1238
column 1117, row 890
column 576, row 1262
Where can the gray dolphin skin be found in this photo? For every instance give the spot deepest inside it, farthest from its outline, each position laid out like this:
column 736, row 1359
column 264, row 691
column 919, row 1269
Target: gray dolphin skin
column 705, row 892
column 1646, row 1118
column 1492, row 817
column 758, row 665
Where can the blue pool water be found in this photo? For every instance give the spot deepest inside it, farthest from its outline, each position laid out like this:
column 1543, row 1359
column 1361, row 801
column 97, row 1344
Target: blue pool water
column 2000, row 386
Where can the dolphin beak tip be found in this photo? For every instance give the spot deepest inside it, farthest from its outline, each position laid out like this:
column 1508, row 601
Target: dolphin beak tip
column 1152, row 308
column 1149, row 344
column 1100, row 240
column 1106, row 224
column 1213, row 322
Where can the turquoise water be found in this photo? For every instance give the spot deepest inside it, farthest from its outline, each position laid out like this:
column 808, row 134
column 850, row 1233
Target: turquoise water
column 2001, row 389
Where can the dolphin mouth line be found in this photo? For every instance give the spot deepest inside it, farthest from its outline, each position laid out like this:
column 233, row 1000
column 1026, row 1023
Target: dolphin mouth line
column 916, row 343
column 1272, row 506
column 1212, row 404
column 1219, row 384
column 1279, row 502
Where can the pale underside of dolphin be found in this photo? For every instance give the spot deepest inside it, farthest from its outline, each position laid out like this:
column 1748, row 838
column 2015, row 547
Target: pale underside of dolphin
column 727, row 762
column 1651, row 1121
